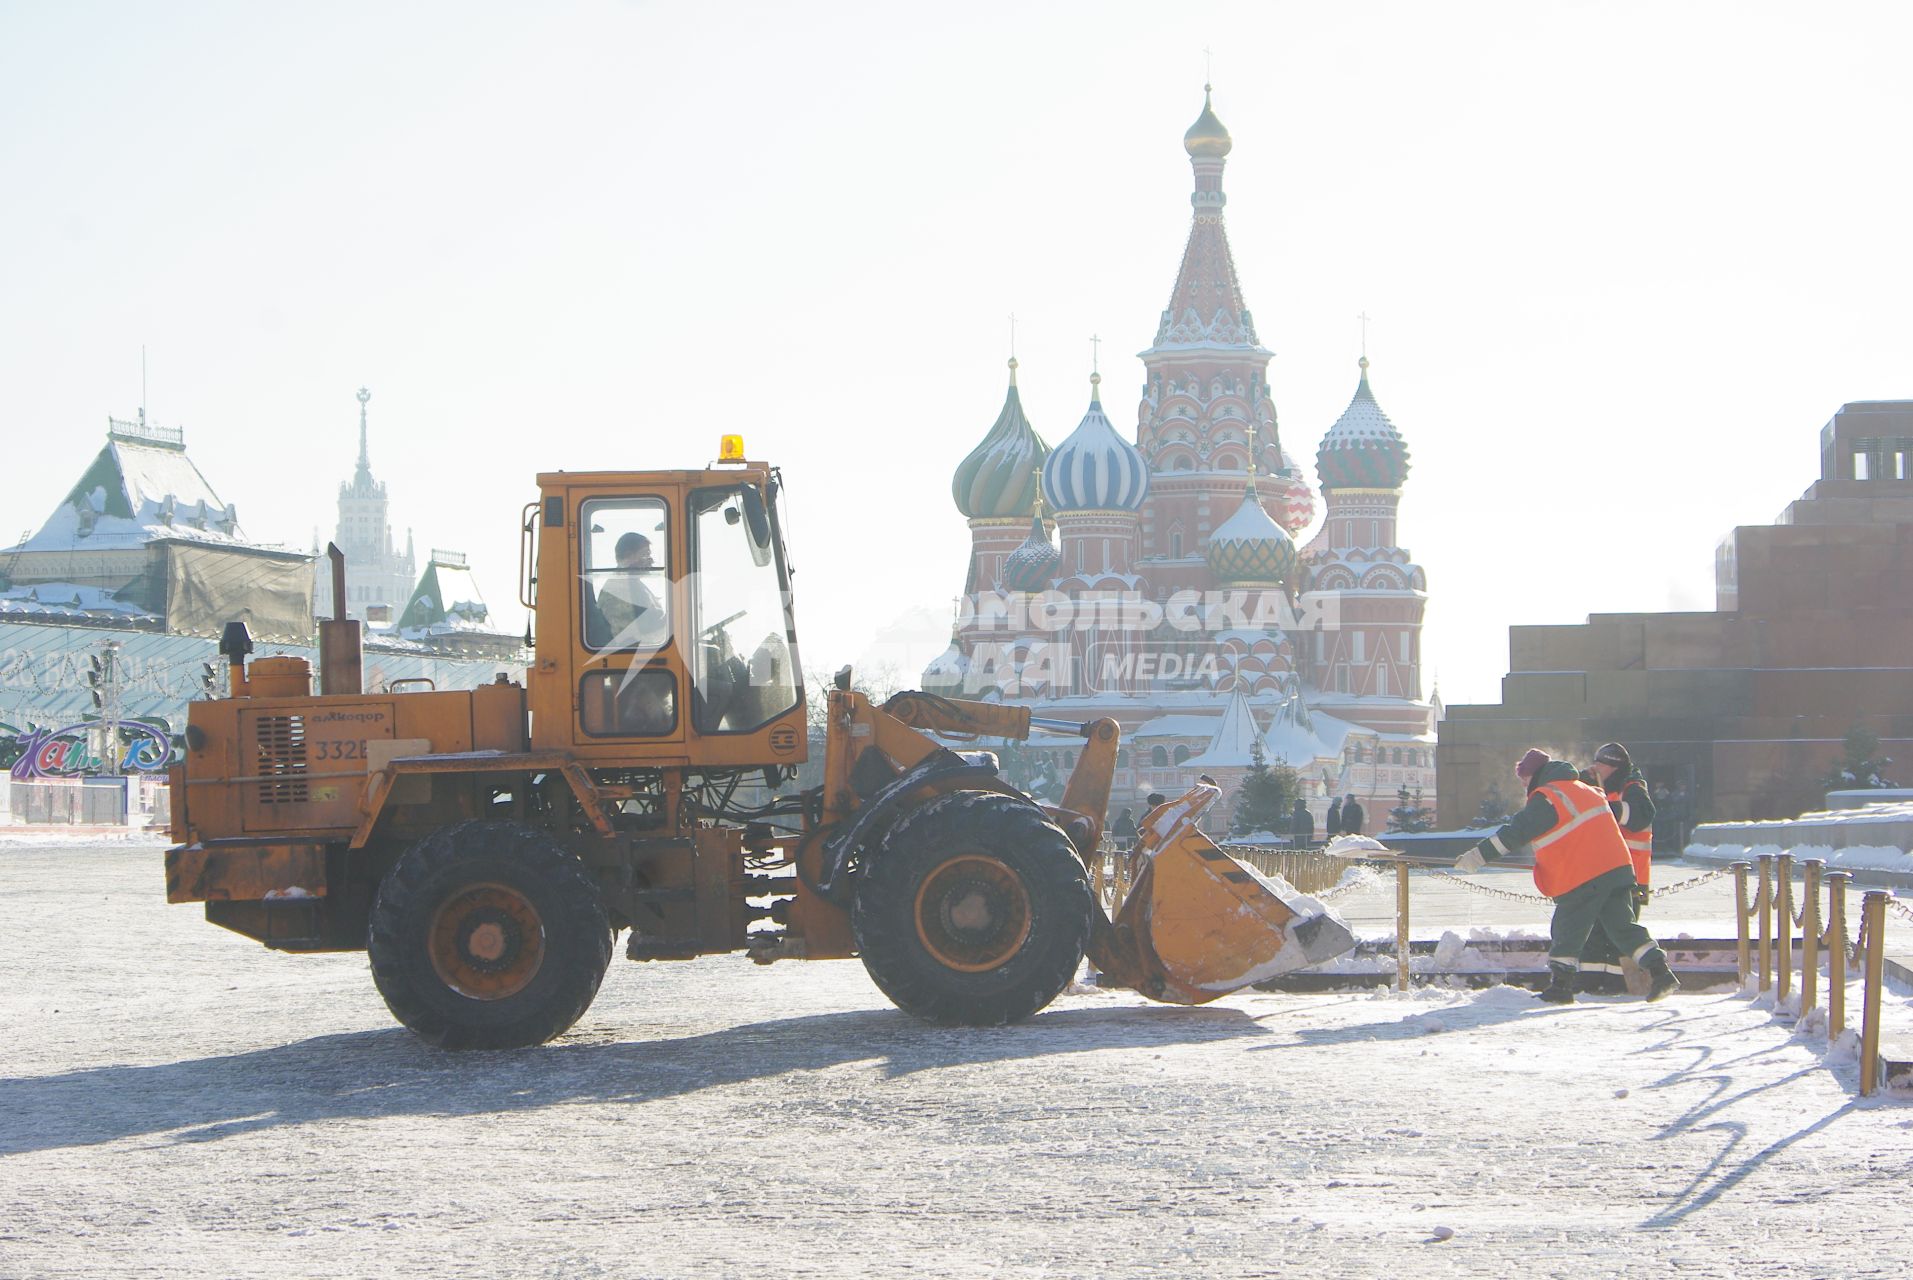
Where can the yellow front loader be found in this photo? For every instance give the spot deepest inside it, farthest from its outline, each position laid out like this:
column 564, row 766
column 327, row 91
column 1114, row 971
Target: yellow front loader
column 487, row 847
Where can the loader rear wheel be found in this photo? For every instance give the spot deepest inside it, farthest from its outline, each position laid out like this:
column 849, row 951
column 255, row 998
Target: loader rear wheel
column 487, row 935
column 974, row 911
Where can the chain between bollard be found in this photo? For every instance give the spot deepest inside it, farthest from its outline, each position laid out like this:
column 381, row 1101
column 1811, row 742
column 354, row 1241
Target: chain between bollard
column 1490, row 890
column 1694, row 882
column 1899, row 908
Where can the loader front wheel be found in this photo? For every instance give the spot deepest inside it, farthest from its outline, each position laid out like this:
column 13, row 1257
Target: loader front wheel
column 974, row 911
column 487, row 935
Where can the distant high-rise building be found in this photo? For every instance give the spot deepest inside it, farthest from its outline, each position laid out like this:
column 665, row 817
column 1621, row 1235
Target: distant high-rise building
column 379, row 578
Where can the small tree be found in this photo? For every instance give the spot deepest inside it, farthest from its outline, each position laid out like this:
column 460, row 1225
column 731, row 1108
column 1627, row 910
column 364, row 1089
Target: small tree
column 1409, row 813
column 1494, row 807
column 1266, row 799
column 1862, row 767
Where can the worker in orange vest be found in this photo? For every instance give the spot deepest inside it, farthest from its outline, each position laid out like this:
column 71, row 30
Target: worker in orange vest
column 1614, row 773
column 1580, row 861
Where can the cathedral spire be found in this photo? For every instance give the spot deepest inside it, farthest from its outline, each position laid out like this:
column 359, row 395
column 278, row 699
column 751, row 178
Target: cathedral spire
column 1206, row 306
column 363, row 476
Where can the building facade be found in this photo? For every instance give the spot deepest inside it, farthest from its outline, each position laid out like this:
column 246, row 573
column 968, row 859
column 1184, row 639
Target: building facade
column 1156, row 577
column 1743, row 709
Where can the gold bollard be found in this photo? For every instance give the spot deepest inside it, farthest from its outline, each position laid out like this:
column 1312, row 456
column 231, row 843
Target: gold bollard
column 1836, row 953
column 1741, row 908
column 1764, row 904
column 1873, row 922
column 1783, row 921
column 1401, row 926
column 1810, row 935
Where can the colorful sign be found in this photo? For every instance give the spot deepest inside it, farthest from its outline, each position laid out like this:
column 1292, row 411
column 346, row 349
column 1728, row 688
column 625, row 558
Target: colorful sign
column 71, row 751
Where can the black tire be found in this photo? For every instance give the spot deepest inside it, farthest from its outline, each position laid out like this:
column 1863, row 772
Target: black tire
column 487, row 935
column 973, row 911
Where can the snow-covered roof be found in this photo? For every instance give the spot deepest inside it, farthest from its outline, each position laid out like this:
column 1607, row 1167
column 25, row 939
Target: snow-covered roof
column 446, row 600
column 1177, row 726
column 1233, row 746
column 141, row 486
column 69, row 600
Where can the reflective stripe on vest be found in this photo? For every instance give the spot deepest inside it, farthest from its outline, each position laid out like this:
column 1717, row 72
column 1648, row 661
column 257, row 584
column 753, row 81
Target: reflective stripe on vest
column 1583, row 844
column 1640, row 844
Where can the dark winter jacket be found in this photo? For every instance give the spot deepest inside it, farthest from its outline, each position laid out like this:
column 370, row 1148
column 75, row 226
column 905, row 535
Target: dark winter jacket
column 1635, row 808
column 1332, row 824
column 1536, row 818
column 1303, row 824
column 1353, row 817
column 1583, row 841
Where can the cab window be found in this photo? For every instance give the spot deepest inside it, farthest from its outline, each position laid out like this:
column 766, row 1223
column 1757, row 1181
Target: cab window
column 625, row 554
column 744, row 671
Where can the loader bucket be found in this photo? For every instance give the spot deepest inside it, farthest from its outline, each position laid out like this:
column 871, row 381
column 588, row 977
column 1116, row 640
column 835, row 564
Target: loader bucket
column 1197, row 924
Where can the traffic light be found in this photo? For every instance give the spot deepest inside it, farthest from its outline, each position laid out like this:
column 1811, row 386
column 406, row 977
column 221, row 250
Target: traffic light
column 96, row 677
column 209, row 680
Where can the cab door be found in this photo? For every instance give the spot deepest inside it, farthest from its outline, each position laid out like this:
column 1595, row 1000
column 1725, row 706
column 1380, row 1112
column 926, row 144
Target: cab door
column 618, row 654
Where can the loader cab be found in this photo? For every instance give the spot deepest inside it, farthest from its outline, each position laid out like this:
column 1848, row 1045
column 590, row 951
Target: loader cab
column 664, row 636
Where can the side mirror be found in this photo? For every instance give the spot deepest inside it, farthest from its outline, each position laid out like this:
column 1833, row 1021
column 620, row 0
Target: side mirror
column 757, row 523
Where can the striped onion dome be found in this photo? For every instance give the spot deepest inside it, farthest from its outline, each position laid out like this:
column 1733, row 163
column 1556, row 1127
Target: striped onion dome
column 1032, row 565
column 998, row 479
column 1095, row 469
column 1250, row 547
column 1362, row 450
column 1294, row 500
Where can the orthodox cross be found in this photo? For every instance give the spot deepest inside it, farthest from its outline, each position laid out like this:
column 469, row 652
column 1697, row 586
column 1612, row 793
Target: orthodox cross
column 1095, row 352
column 1364, row 319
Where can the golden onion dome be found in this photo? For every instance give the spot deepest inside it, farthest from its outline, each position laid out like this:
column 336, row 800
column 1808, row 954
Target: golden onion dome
column 1207, row 137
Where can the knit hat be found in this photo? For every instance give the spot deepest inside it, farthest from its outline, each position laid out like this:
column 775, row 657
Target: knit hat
column 1615, row 754
column 1530, row 763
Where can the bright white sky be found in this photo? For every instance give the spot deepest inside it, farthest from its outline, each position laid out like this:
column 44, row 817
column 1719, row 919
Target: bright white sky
column 1623, row 260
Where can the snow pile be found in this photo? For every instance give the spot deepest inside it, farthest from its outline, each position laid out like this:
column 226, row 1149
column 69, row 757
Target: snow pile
column 1857, row 857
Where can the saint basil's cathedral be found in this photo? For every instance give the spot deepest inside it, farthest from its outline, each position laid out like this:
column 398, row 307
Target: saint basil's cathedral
column 1162, row 583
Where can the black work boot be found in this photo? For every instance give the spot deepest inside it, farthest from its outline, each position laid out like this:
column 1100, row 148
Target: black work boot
column 1561, row 983
column 1661, row 981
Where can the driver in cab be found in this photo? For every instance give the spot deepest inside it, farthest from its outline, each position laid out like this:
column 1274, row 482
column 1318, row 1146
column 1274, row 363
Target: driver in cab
column 632, row 613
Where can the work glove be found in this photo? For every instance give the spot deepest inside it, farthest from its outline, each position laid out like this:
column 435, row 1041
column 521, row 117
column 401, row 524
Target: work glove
column 1471, row 860
column 1641, row 894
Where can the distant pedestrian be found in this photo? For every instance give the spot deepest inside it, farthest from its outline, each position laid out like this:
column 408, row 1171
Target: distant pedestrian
column 1352, row 816
column 1680, row 808
column 1614, row 775
column 1581, row 861
column 1302, row 826
column 1332, row 825
column 1123, row 830
column 1663, row 819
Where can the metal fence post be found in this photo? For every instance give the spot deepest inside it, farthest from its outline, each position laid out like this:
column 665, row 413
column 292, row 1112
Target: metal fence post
column 1836, row 953
column 1783, row 921
column 1810, row 936
column 1741, row 908
column 1401, row 926
column 1873, row 923
column 1764, row 904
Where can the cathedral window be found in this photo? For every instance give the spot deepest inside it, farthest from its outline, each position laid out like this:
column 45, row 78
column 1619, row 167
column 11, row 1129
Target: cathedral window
column 1159, row 757
column 1182, row 754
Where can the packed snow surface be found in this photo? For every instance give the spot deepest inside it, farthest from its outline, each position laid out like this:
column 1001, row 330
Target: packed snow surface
column 178, row 1101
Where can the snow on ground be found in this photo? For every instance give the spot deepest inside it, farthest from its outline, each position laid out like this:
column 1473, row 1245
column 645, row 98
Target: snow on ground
column 175, row 1100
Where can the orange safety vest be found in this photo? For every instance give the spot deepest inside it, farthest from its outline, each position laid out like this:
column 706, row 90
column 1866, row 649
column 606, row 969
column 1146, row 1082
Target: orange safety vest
column 1640, row 844
column 1584, row 842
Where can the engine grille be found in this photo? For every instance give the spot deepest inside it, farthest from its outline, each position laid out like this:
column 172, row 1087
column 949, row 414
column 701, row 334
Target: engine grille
column 283, row 767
